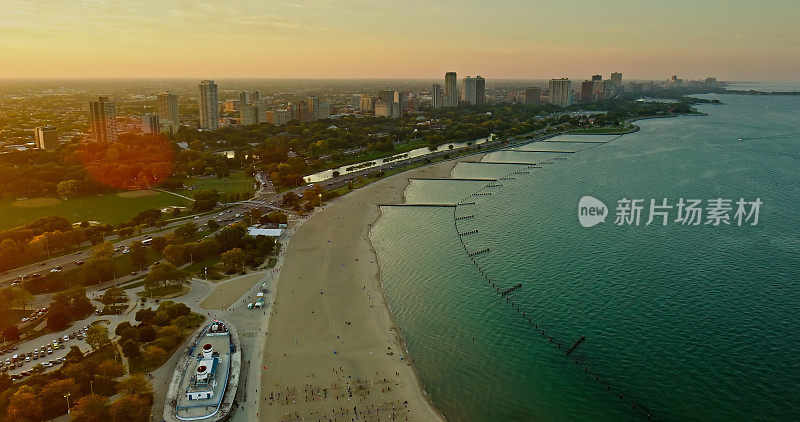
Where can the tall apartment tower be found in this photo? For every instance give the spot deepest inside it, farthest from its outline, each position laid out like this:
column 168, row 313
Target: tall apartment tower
column 401, row 98
column 150, row 123
column 244, row 98
column 386, row 95
column 46, row 137
column 450, row 90
column 312, row 111
column 103, row 119
column 480, row 90
column 532, row 95
column 168, row 111
column 587, row 91
column 209, row 105
column 248, row 115
column 561, row 92
column 616, row 81
column 367, row 104
column 468, row 90
column 436, row 96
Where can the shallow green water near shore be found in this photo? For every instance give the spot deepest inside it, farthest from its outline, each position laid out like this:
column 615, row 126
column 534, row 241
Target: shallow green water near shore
column 696, row 322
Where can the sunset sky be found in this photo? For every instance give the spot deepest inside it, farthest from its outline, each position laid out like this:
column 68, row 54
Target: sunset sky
column 732, row 40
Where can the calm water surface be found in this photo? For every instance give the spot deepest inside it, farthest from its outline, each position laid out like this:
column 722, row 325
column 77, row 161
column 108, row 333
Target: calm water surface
column 690, row 323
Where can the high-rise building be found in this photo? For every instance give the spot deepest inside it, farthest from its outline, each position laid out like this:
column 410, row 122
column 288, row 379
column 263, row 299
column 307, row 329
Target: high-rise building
column 278, row 117
column 597, row 78
column 532, row 95
column 386, row 95
column 151, row 123
column 480, row 90
column 450, row 90
column 710, row 83
column 436, row 96
column 474, row 90
column 294, row 111
column 616, row 79
column 232, row 105
column 587, row 91
column 168, row 113
column 561, row 92
column 256, row 96
column 468, row 90
column 103, row 119
column 401, row 98
column 367, row 104
column 387, row 109
column 324, row 110
column 312, row 109
column 249, row 115
column 244, row 98
column 168, row 107
column 46, row 137
column 316, row 109
column 601, row 90
column 209, row 105
column 355, row 101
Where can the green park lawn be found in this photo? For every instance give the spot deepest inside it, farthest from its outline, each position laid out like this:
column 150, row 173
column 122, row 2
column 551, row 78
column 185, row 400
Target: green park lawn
column 107, row 208
column 236, row 183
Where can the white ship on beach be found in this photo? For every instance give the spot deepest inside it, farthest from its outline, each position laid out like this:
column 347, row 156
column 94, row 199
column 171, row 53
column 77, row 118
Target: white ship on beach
column 204, row 384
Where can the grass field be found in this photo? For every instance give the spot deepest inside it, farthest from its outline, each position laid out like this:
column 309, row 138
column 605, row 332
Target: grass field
column 108, row 208
column 238, row 182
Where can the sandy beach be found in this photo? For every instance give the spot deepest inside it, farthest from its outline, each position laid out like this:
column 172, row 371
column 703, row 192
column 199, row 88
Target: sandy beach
column 332, row 352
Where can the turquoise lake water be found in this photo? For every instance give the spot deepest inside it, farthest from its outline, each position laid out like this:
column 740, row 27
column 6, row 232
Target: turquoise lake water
column 686, row 322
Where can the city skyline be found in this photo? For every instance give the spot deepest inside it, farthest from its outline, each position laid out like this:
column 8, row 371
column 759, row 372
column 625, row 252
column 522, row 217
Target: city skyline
column 347, row 40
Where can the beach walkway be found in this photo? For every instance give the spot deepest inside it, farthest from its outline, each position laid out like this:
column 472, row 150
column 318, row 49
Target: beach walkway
column 332, row 351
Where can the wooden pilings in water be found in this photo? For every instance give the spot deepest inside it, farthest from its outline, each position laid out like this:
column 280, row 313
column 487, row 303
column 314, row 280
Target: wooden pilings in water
column 482, row 251
column 507, row 291
column 574, row 346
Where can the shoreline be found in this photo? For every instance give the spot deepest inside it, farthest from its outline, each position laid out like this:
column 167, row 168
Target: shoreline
column 300, row 349
column 397, row 328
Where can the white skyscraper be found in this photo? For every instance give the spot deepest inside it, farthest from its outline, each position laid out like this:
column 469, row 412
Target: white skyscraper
column 450, row 90
column 561, row 92
column 103, row 119
column 436, row 96
column 209, row 105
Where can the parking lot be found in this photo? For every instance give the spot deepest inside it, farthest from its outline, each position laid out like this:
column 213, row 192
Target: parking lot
column 48, row 350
